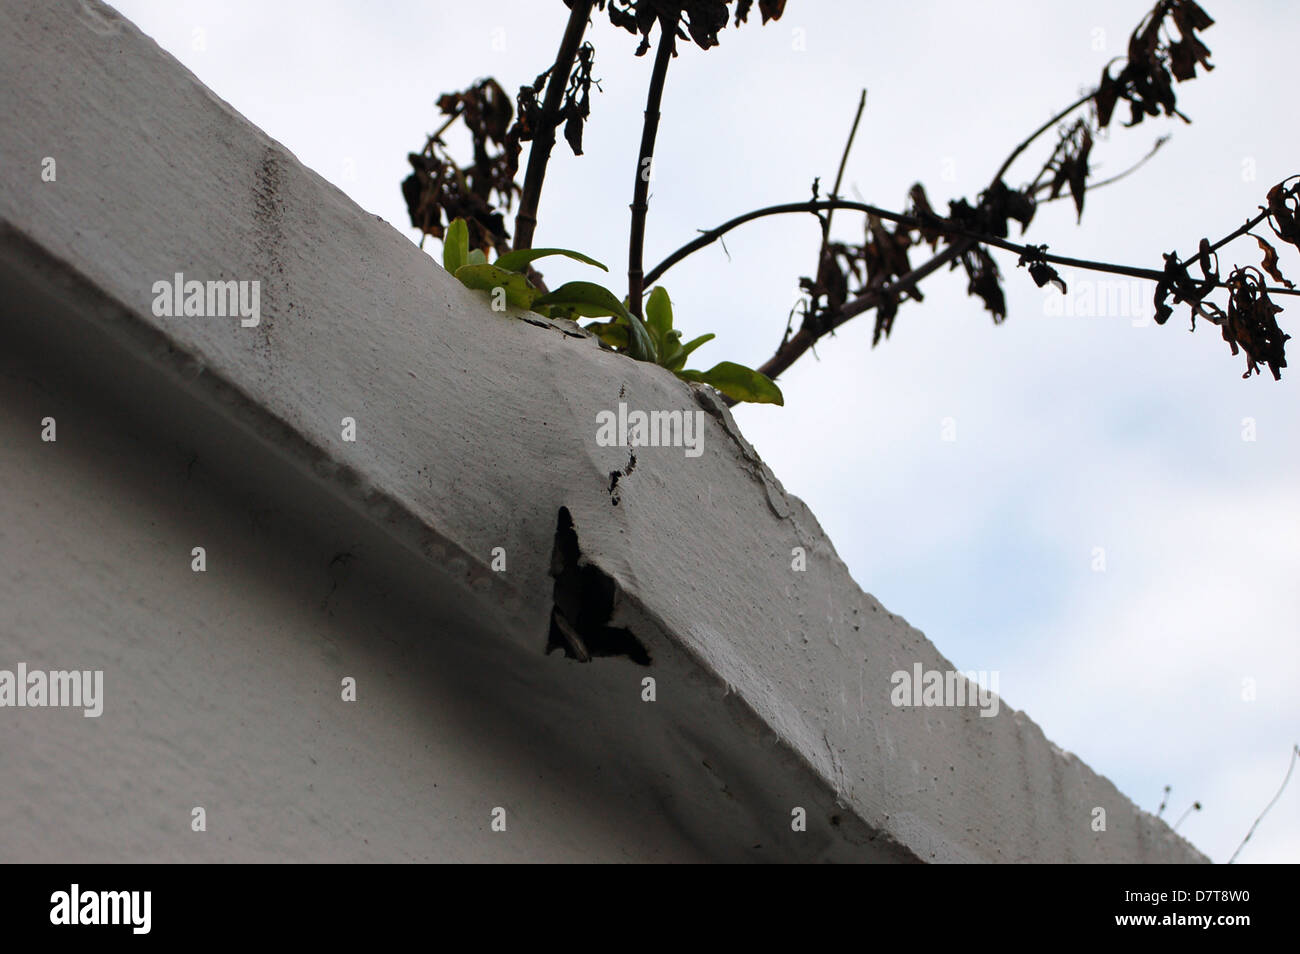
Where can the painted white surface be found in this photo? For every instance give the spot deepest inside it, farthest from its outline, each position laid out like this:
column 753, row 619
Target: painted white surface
column 474, row 428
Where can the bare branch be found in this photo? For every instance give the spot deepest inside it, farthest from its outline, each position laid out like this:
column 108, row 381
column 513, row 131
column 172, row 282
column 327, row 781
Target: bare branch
column 793, row 347
column 948, row 228
column 1015, row 153
column 1094, row 186
column 1295, row 750
column 644, row 164
column 539, row 154
column 844, row 159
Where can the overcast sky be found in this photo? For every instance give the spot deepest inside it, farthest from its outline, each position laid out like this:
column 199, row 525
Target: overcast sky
column 1073, row 432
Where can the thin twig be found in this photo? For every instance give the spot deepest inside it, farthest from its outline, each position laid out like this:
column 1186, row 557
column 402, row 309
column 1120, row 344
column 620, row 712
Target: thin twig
column 1164, row 801
column 948, row 228
column 641, row 191
column 1250, row 224
column 1194, row 807
column 539, row 154
column 1295, row 750
column 1094, row 186
column 793, row 347
column 839, row 176
column 1015, row 153
column 434, row 136
column 874, row 296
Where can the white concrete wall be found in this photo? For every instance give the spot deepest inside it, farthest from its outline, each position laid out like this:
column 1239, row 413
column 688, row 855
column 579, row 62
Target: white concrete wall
column 222, row 689
column 474, row 429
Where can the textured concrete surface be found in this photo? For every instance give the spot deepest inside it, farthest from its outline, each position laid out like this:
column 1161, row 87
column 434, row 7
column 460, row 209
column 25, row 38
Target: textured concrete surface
column 373, row 558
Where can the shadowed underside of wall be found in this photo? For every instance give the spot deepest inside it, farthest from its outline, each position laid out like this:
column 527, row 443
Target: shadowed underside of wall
column 379, row 559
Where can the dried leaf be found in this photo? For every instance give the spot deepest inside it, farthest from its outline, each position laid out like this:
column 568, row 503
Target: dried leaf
column 770, row 9
column 1284, row 212
column 1039, row 270
column 1145, row 80
column 528, row 110
column 1251, row 323
column 700, row 20
column 1078, row 172
column 1185, row 54
column 1106, row 97
column 1183, row 287
column 920, row 209
column 885, row 313
column 1270, row 262
column 982, row 281
column 439, row 189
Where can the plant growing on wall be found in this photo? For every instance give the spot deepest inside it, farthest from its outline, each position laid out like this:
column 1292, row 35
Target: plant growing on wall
column 465, row 204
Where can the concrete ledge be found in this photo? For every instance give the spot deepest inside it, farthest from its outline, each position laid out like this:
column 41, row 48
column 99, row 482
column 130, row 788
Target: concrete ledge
column 474, row 430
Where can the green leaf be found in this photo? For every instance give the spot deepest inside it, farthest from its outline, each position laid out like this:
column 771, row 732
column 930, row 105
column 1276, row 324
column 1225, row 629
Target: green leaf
column 612, row 333
column 576, row 311
column 738, row 382
column 596, row 300
column 455, row 246
column 520, row 260
column 489, row 277
column 476, row 257
column 659, row 319
column 679, row 359
column 670, row 350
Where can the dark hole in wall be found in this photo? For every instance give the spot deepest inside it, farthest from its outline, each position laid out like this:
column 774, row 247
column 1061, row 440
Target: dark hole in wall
column 616, row 475
column 584, row 603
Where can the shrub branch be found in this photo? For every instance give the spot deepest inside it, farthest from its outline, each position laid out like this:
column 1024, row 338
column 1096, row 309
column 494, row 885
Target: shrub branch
column 539, row 153
column 641, row 191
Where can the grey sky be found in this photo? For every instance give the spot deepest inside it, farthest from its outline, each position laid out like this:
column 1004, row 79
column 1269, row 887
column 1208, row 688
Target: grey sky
column 1073, row 432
